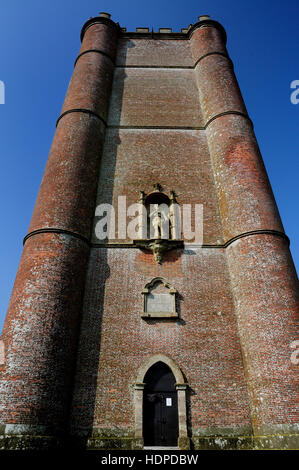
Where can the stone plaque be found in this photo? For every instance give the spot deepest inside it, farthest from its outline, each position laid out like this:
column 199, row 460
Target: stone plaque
column 160, row 303
column 159, row 299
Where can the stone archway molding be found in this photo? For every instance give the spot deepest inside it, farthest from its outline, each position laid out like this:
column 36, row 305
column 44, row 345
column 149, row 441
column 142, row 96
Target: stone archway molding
column 181, row 387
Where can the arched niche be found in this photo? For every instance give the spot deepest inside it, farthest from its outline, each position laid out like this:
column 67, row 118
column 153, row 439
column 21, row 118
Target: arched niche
column 163, row 215
column 156, row 197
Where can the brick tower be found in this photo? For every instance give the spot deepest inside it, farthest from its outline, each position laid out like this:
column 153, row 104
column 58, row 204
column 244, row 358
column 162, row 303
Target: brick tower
column 107, row 341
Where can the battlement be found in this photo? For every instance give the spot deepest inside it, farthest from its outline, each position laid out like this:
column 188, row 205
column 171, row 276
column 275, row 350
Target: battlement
column 146, row 32
column 161, row 30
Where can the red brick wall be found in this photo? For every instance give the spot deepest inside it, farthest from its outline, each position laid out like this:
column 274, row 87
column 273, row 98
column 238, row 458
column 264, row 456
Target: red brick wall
column 265, row 288
column 175, row 117
column 41, row 328
column 135, row 159
column 115, row 341
column 220, row 167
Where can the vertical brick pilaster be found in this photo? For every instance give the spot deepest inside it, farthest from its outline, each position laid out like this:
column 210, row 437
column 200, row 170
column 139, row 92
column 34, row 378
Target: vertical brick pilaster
column 246, row 202
column 265, row 288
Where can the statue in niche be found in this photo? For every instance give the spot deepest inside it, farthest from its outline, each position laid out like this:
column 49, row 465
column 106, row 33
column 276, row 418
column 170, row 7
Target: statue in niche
column 159, row 222
column 161, row 231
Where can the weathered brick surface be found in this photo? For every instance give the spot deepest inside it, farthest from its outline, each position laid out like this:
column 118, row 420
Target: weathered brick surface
column 154, row 97
column 265, row 288
column 219, row 95
column 245, row 197
column 41, row 327
column 154, row 53
column 101, row 37
column 133, row 160
column 40, row 331
column 206, row 40
column 90, row 84
column 115, row 340
column 179, row 121
column 66, row 195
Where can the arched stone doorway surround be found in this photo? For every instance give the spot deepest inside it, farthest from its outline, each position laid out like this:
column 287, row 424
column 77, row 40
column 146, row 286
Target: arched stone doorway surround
column 181, row 387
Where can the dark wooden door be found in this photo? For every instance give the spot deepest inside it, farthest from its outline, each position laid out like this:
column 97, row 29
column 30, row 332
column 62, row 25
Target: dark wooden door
column 160, row 408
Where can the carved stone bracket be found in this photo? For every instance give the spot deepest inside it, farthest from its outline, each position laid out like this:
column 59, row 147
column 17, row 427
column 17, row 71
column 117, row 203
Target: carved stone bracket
column 159, row 246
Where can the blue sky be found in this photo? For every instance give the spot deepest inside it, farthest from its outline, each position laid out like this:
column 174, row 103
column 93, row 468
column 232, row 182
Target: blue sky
column 39, row 43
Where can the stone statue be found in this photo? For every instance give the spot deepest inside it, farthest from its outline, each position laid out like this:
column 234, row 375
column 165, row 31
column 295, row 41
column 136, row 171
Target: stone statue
column 157, row 219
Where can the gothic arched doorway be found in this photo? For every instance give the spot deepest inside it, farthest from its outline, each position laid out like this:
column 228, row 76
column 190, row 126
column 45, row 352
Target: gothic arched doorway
column 160, row 407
